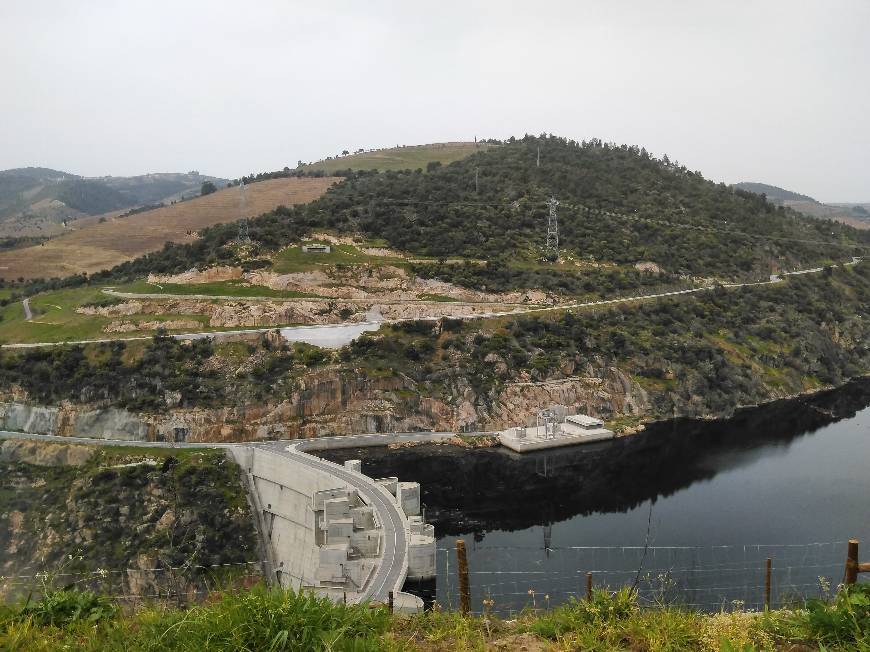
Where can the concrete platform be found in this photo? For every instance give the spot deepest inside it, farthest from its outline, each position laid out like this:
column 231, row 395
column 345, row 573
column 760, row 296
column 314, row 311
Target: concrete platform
column 524, row 440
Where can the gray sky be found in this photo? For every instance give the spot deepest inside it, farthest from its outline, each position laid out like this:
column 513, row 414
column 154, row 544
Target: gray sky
column 777, row 92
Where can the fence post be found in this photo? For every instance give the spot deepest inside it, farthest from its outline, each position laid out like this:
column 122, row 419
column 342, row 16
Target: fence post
column 464, row 591
column 390, row 601
column 851, row 562
column 589, row 586
column 767, row 583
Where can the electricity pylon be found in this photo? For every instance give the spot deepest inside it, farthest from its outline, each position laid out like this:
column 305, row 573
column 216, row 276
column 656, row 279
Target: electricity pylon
column 244, row 236
column 553, row 227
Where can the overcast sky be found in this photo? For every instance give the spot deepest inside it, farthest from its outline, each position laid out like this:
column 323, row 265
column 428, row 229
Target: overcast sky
column 777, row 92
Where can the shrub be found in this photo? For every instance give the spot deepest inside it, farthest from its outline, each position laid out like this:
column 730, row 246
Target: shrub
column 59, row 608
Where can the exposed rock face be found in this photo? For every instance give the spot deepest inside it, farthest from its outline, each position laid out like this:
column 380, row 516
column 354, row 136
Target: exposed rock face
column 209, row 275
column 44, row 453
column 128, row 326
column 609, row 395
column 384, row 283
column 73, row 421
column 138, row 518
column 646, row 266
column 241, row 313
column 329, row 402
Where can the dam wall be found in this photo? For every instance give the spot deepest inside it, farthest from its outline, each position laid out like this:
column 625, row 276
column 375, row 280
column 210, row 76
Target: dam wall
column 284, row 491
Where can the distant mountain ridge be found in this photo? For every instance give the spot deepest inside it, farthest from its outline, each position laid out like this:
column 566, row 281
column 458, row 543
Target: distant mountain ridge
column 774, row 193
column 38, row 201
column 857, row 215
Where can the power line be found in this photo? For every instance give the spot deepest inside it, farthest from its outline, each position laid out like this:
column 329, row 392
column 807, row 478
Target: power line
column 649, row 220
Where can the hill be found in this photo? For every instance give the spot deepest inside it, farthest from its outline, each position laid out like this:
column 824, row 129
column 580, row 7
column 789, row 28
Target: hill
column 619, row 208
column 406, row 157
column 97, row 243
column 856, row 215
column 39, row 201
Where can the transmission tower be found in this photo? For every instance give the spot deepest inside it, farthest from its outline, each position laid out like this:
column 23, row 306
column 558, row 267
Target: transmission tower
column 553, row 228
column 244, row 236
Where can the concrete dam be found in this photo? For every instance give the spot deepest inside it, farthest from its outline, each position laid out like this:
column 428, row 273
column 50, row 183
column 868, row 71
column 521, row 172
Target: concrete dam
column 330, row 529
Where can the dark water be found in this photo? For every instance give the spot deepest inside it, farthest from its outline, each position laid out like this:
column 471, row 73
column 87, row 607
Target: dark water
column 688, row 510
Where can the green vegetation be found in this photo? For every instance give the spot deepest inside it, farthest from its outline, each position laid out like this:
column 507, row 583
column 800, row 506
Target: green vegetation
column 54, row 317
column 699, row 355
column 285, row 621
column 618, row 205
column 293, row 259
column 131, row 507
column 217, row 289
column 410, row 157
column 164, row 373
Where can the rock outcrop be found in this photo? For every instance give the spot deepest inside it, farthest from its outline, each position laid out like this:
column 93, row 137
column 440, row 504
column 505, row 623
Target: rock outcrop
column 335, row 402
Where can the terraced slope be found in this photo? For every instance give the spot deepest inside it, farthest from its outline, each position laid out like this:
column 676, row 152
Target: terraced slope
column 101, row 243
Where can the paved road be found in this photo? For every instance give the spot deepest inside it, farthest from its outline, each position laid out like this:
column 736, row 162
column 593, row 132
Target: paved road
column 393, row 568
column 28, row 315
column 774, row 279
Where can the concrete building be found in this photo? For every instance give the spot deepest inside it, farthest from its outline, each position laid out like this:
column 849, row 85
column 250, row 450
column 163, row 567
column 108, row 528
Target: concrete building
column 555, row 428
column 316, row 249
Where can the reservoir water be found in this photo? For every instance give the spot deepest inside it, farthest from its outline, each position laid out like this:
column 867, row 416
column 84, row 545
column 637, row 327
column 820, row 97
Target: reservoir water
column 688, row 511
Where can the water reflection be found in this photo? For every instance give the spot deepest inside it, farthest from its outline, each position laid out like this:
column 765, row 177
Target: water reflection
column 475, row 491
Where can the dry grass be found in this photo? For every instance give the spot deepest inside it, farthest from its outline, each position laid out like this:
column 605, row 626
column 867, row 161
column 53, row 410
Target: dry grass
column 95, row 245
column 409, row 157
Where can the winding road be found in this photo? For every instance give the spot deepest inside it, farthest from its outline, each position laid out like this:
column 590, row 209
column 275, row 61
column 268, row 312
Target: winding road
column 322, row 332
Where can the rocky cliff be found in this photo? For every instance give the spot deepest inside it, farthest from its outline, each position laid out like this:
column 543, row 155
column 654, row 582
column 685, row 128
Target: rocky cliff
column 333, row 401
column 133, row 524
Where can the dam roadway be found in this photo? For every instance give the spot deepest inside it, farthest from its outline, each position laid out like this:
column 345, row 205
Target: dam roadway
column 392, row 567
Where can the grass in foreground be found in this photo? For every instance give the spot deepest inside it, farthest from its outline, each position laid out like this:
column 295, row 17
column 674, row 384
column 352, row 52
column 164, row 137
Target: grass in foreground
column 260, row 619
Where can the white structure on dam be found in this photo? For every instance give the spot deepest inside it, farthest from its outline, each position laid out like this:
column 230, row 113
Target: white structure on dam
column 331, row 529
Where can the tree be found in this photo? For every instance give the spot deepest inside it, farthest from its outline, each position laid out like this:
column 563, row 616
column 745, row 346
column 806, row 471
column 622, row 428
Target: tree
column 207, row 188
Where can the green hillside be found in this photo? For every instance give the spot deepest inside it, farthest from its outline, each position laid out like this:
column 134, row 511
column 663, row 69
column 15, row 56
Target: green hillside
column 406, row 157
column 618, row 207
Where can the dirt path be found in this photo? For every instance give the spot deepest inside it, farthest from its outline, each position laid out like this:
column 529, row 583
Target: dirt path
column 774, row 280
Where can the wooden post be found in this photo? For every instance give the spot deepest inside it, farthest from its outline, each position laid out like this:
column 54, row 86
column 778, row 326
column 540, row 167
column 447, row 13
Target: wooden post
column 390, row 601
column 851, row 562
column 767, row 583
column 464, row 591
column 589, row 586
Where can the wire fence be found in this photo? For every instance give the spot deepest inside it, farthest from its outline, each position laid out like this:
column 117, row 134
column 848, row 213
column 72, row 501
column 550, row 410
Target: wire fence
column 513, row 578
column 705, row 578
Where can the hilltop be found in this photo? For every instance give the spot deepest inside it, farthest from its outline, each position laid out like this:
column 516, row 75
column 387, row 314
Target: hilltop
column 404, row 157
column 619, row 208
column 37, row 202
